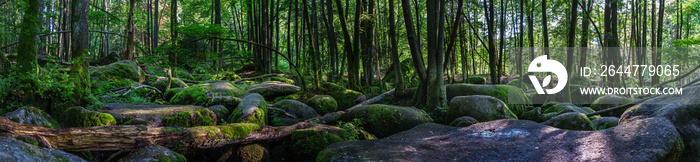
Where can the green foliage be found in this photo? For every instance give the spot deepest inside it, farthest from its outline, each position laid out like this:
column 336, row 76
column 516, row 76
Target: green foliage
column 351, row 131
column 199, row 117
column 307, row 143
column 80, row 117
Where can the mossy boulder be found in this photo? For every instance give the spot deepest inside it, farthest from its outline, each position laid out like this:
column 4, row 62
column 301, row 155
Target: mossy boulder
column 161, row 115
column 514, row 97
column 15, row 150
column 609, row 101
column 233, row 131
column 605, row 122
column 229, row 101
column 384, row 120
column 463, row 121
column 250, row 153
column 201, row 94
column 80, row 117
column 305, row 144
column 571, row 121
column 226, row 75
column 296, row 108
column 347, row 98
column 220, row 110
column 123, row 69
column 273, row 89
column 170, row 93
column 252, row 109
column 476, row 80
column 323, row 104
column 481, row 108
column 181, row 73
column 162, row 83
column 33, row 116
column 154, row 153
column 299, row 96
column 331, row 87
column 561, row 108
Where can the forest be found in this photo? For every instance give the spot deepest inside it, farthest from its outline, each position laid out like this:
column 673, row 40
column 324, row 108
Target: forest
column 349, row 80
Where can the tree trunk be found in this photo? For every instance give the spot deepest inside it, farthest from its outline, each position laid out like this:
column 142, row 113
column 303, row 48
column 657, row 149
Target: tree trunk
column 354, row 58
column 400, row 89
column 659, row 41
column 173, row 37
column 80, row 43
column 367, row 40
column 27, row 51
column 545, row 33
column 492, row 45
column 571, row 43
column 413, row 41
column 217, row 43
column 584, row 33
column 129, row 53
column 156, row 25
column 435, row 94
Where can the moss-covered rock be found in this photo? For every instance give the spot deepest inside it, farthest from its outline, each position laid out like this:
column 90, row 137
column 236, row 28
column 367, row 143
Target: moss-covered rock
column 253, row 109
column 226, row 75
column 181, row 73
column 305, row 144
column 250, row 153
column 233, row 131
column 80, row 117
column 323, row 104
column 605, row 122
column 170, row 93
column 229, row 101
column 118, row 70
column 273, row 89
column 299, row 96
column 515, row 98
column 481, row 108
column 331, row 87
column 476, row 80
column 463, row 121
column 609, row 101
column 384, row 120
column 571, row 121
column 220, row 110
column 561, row 108
column 296, row 108
column 201, row 94
column 154, row 153
column 198, row 117
column 162, row 83
column 347, row 98
column 33, row 116
column 15, row 150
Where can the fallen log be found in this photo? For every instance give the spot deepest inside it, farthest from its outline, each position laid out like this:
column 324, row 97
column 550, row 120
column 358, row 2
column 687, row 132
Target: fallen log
column 176, row 138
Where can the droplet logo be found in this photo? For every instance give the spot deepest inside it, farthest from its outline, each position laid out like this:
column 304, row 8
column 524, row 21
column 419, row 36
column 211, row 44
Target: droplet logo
column 542, row 64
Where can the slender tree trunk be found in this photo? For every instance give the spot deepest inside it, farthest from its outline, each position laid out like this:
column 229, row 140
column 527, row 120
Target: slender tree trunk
column 400, row 89
column 435, row 94
column 570, row 44
column 27, row 51
column 545, row 33
column 530, row 30
column 354, row 58
column 156, row 25
column 129, row 53
column 332, row 42
column 80, row 43
column 492, row 45
column 659, row 41
column 584, row 33
column 217, row 43
column 413, row 40
column 173, row 37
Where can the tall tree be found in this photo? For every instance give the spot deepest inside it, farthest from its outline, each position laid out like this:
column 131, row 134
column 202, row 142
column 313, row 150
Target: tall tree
column 26, row 53
column 435, row 94
column 79, row 47
column 584, row 32
column 530, row 30
column 367, row 40
column 545, row 36
column 156, row 24
column 611, row 38
column 217, row 43
column 659, row 41
column 129, row 53
column 354, row 58
column 332, row 42
column 413, row 40
column 399, row 87
column 570, row 43
column 492, row 45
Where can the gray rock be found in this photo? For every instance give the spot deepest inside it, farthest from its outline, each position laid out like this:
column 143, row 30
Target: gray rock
column 481, row 108
column 323, row 104
column 33, row 116
column 605, row 122
column 229, row 102
column 253, row 109
column 15, row 150
column 514, row 96
column 571, row 121
column 296, row 108
column 652, row 139
column 155, row 153
column 609, row 101
column 220, row 110
column 561, row 108
column 682, row 110
column 464, row 121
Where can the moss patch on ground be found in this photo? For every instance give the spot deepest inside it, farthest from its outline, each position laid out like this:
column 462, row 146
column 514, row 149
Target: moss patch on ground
column 80, row 117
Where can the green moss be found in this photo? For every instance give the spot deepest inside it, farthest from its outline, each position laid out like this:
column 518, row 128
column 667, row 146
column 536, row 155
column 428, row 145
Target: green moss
column 385, row 120
column 231, row 131
column 170, row 93
column 323, row 104
column 514, row 97
column 161, row 84
column 80, row 117
column 181, row 73
column 30, row 140
column 252, row 152
column 259, row 110
column 200, row 117
column 122, row 69
column 476, row 80
column 307, row 143
column 194, row 95
column 345, row 98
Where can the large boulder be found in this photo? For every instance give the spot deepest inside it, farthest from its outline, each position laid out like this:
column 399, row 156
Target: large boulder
column 33, row 116
column 384, row 120
column 516, row 140
column 571, row 121
column 154, row 153
column 15, row 150
column 250, row 153
column 161, row 115
column 229, row 101
column 123, row 69
column 80, row 117
column 253, row 109
column 323, row 104
column 609, row 101
column 272, row 89
column 170, row 93
column 515, row 98
column 481, row 108
column 296, row 108
column 201, row 94
column 682, row 110
column 306, row 143
column 220, row 110
column 345, row 98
